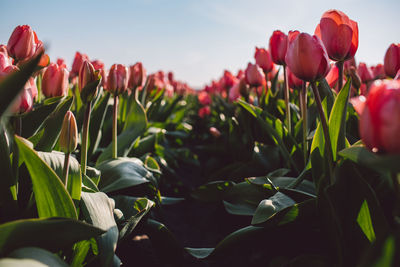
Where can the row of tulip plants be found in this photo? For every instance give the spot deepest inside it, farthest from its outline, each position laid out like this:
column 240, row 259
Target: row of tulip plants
column 298, row 152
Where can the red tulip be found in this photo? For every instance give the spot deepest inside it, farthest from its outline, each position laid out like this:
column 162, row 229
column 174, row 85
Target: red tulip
column 69, row 134
column 333, row 76
column 55, row 81
column 263, row 59
column 3, row 49
column 137, row 76
column 76, row 65
column 294, row 82
column 61, row 63
column 365, row 73
column 392, row 60
column 306, row 57
column 378, row 71
column 23, row 43
column 204, row 98
column 204, row 111
column 88, row 81
column 117, row 80
column 99, row 65
column 278, row 46
column 170, row 76
column 254, row 75
column 240, row 74
column 227, row 81
column 380, row 118
column 339, row 35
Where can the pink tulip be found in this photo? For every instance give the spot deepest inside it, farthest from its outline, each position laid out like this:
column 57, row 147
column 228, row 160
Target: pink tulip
column 137, row 76
column 278, row 43
column 77, row 63
column 227, row 80
column 339, row 35
column 55, row 81
column 294, row 82
column 365, row 73
column 204, row 111
column 117, row 80
column 214, row 132
column 5, row 61
column 99, row 66
column 204, row 98
column 263, row 59
column 380, row 118
column 306, row 57
column 378, row 71
column 254, row 75
column 23, row 43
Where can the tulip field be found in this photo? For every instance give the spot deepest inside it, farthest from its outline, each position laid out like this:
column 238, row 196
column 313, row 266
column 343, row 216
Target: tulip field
column 292, row 161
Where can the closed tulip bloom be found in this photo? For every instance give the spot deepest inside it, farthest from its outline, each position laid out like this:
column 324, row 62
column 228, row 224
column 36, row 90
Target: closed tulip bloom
column 77, row 63
column 254, row 75
column 278, row 43
column 378, row 71
column 227, row 80
column 294, row 82
column 306, row 57
column 3, row 49
column 137, row 75
column 5, row 61
column 204, row 98
column 117, row 81
column 339, row 35
column 204, row 111
column 69, row 133
column 365, row 73
column 263, row 59
column 55, row 81
column 333, row 76
column 380, row 118
column 22, row 43
column 61, row 62
column 392, row 60
column 88, row 82
column 99, row 65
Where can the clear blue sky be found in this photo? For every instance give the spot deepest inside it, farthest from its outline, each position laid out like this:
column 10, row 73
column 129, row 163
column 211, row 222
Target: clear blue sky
column 195, row 39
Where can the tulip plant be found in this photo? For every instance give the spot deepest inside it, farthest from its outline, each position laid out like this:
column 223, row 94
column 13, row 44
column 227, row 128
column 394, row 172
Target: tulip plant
column 297, row 166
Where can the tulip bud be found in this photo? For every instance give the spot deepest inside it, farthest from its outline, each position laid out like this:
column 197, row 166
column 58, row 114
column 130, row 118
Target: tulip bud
column 263, row 59
column 227, row 80
column 77, row 63
column 254, row 75
column 69, row 133
column 392, row 60
column 61, row 63
column 99, row 66
column 306, row 57
column 22, row 43
column 333, row 76
column 89, row 80
column 55, row 81
column 278, row 46
column 117, row 81
column 379, row 121
column 339, row 35
column 137, row 76
column 378, row 71
column 365, row 73
column 215, row 132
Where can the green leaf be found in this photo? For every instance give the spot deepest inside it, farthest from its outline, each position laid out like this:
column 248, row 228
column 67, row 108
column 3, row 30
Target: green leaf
column 46, row 138
column 365, row 222
column 135, row 125
column 7, row 177
column 33, row 121
column 41, row 255
column 96, row 123
column 12, row 84
column 44, row 233
column 121, row 173
column 213, row 191
column 51, row 197
column 98, row 210
column 361, row 155
column 55, row 160
column 8, row 262
column 337, row 120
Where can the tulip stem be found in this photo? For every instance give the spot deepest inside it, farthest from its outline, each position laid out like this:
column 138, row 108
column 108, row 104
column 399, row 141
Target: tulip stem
column 286, row 93
column 396, row 188
column 66, row 169
column 328, row 145
column 339, row 65
column 85, row 133
column 15, row 163
column 303, row 108
column 114, row 129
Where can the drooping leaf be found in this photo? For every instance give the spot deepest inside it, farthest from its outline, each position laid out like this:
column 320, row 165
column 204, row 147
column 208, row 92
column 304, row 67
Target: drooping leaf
column 52, row 199
column 44, row 233
column 123, row 173
column 38, row 254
